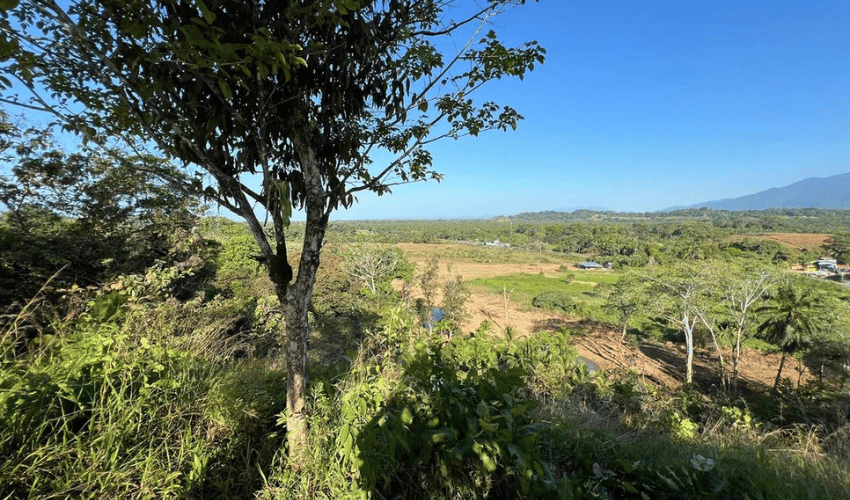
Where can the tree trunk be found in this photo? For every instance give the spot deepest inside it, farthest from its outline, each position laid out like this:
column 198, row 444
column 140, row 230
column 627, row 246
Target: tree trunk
column 297, row 330
column 296, row 304
column 295, row 308
column 736, row 359
column 779, row 373
column 688, row 328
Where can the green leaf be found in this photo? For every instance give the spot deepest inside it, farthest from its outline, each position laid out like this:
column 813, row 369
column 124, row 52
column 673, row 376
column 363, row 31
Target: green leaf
column 8, row 4
column 488, row 462
column 285, row 205
column 7, row 47
column 193, row 34
column 225, row 89
column 441, row 435
column 209, row 16
column 346, row 440
column 135, row 30
column 487, row 426
column 263, row 70
column 407, row 416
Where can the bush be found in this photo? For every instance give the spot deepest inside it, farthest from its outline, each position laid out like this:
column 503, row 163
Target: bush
column 563, row 301
column 444, row 433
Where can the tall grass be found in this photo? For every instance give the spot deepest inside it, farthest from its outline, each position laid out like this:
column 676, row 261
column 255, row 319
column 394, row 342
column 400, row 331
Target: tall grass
column 134, row 400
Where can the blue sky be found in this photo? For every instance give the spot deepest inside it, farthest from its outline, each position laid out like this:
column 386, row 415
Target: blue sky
column 642, row 106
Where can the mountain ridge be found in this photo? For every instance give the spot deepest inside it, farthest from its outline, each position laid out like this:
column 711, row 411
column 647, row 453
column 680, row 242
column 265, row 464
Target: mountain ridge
column 813, row 192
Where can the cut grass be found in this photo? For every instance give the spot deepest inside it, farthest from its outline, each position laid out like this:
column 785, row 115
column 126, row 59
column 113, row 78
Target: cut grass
column 524, row 287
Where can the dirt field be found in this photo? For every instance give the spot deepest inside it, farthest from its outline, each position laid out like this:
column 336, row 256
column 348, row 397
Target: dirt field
column 661, row 364
column 798, row 241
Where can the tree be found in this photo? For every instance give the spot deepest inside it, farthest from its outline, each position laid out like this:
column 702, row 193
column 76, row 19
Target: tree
column 427, row 280
column 679, row 290
column 373, row 266
column 102, row 191
column 455, row 296
column 794, row 313
column 301, row 94
column 627, row 297
column 741, row 289
column 839, row 246
column 89, row 213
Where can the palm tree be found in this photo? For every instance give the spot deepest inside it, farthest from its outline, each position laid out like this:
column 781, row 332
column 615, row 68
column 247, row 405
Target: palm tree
column 794, row 314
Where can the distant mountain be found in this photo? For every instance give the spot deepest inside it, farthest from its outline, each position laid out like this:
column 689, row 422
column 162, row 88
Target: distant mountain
column 580, row 208
column 814, row 192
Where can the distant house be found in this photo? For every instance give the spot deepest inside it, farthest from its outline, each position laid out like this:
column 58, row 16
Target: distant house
column 497, row 243
column 589, row 264
column 829, row 265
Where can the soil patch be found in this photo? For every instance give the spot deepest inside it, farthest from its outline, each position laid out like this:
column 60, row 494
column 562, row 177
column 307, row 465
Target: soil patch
column 799, row 241
column 662, row 364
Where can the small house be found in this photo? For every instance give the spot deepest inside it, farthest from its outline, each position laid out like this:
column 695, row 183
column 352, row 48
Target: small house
column 589, row 264
column 829, row 265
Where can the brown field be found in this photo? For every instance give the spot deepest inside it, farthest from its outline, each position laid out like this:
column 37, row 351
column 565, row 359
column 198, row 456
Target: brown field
column 659, row 363
column 798, row 241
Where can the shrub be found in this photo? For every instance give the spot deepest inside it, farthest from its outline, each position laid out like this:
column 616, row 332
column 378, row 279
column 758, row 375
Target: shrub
column 563, row 301
column 443, row 434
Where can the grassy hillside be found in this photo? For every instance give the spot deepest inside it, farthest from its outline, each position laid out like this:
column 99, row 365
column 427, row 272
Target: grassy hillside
column 167, row 382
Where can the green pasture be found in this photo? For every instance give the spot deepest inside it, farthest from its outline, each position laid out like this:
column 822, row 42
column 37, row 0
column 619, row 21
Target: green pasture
column 573, row 292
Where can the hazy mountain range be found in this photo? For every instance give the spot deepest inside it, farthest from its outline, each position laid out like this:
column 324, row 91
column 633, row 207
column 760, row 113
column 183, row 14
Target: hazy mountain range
column 814, row 192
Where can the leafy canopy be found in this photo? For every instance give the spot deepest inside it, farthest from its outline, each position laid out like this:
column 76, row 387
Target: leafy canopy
column 235, row 87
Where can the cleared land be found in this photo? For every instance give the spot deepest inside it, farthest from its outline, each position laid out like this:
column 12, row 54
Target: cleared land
column 662, row 364
column 799, row 241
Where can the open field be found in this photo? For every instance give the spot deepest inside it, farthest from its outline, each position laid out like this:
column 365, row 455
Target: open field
column 659, row 363
column 798, row 241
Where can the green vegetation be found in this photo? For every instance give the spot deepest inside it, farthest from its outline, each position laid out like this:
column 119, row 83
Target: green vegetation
column 270, row 108
column 127, row 390
column 149, row 352
column 578, row 295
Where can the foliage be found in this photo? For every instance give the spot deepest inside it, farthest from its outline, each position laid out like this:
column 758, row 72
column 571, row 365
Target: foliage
column 94, row 213
column 680, row 290
column 376, row 267
column 304, row 95
column 793, row 317
column 104, row 191
column 455, row 296
column 427, row 281
column 582, row 297
column 839, row 247
column 561, row 301
column 470, row 434
column 628, row 297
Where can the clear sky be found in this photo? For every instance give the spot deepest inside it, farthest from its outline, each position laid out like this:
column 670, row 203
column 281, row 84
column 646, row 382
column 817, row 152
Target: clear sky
column 642, row 106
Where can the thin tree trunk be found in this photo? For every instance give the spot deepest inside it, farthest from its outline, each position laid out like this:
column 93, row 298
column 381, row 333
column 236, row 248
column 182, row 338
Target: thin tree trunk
column 736, row 359
column 779, row 373
column 688, row 328
column 721, row 361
